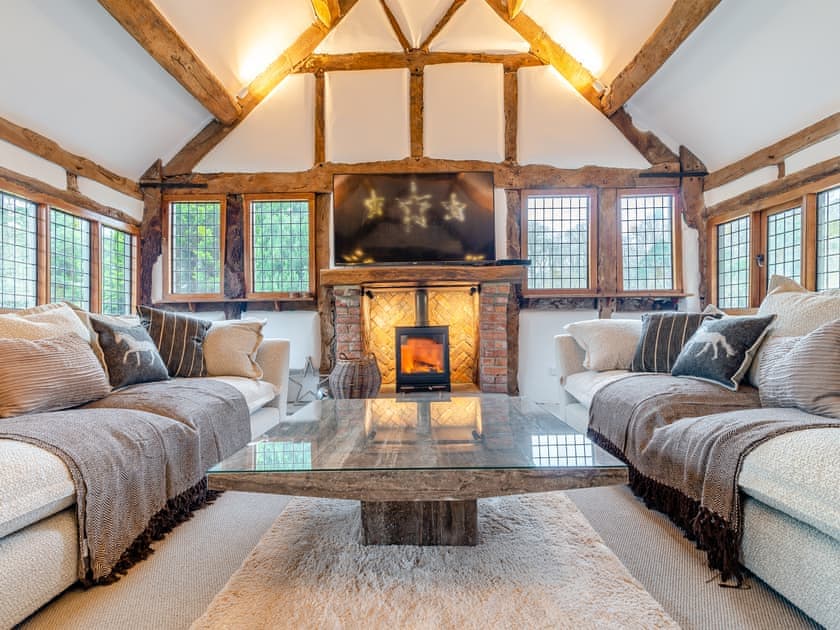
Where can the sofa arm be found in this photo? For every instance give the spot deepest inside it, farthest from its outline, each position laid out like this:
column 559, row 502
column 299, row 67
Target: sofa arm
column 273, row 358
column 568, row 357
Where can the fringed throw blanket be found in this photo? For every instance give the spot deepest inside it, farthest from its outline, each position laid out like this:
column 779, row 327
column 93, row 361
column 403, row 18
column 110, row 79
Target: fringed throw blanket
column 137, row 474
column 684, row 442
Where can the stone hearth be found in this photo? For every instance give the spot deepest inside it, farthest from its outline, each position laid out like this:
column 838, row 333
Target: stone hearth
column 482, row 313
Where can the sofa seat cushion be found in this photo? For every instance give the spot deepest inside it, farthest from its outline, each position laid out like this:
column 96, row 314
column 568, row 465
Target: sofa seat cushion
column 34, row 484
column 257, row 393
column 583, row 385
column 796, row 473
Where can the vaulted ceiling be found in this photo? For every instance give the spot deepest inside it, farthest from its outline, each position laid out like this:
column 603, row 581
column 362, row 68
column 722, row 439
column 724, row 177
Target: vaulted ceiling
column 751, row 73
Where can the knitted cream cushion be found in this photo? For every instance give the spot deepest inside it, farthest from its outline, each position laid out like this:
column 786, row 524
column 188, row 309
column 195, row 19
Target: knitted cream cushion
column 798, row 312
column 42, row 322
column 230, row 348
column 609, row 343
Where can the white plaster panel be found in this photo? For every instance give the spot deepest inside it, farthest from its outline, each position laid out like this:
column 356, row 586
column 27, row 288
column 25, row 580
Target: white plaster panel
column 587, row 29
column 365, row 28
column 740, row 185
column 110, row 197
column 238, row 40
column 557, row 126
column 691, row 268
column 476, row 27
column 25, row 163
column 463, row 111
column 417, row 19
column 500, row 217
column 537, row 372
column 819, row 152
column 301, row 328
column 366, row 115
column 73, row 74
column 157, row 280
column 753, row 72
column 279, row 135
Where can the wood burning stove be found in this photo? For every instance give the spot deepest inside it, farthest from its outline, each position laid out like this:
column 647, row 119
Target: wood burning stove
column 422, row 351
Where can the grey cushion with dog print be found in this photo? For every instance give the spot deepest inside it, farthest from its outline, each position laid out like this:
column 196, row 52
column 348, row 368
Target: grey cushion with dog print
column 722, row 349
column 130, row 354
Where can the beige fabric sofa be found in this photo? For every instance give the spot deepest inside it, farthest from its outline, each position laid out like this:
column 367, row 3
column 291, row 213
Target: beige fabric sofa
column 790, row 485
column 38, row 529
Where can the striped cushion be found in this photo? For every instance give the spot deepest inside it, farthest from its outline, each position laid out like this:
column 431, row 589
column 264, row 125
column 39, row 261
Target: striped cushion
column 803, row 372
column 179, row 339
column 48, row 374
column 663, row 338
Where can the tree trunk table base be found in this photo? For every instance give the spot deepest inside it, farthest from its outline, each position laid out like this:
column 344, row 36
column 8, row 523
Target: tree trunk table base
column 420, row 522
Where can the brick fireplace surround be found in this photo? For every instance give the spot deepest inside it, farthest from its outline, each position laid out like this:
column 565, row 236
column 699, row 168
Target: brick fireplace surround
column 498, row 288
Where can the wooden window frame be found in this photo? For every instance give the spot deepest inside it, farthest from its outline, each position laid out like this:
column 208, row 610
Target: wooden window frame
column 250, row 294
column 45, row 202
column 804, row 199
column 677, row 290
column 166, row 249
column 592, row 236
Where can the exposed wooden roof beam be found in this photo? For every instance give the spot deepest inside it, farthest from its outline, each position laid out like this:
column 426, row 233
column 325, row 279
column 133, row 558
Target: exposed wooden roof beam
column 652, row 148
column 413, row 59
column 514, row 7
column 443, row 21
column 780, row 190
column 395, row 26
column 682, row 19
column 190, row 155
column 156, row 35
column 43, row 147
column 25, row 185
column 551, row 52
column 776, row 153
column 327, row 11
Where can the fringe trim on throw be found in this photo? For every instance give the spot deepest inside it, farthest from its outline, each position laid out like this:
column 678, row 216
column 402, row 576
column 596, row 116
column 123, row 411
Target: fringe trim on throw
column 177, row 510
column 712, row 534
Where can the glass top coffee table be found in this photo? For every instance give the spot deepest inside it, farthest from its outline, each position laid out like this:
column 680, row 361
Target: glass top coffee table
column 418, row 463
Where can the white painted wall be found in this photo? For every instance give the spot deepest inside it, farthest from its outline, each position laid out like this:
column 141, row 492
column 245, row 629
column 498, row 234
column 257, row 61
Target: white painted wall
column 26, row 163
column 476, row 27
column 740, row 185
column 110, row 197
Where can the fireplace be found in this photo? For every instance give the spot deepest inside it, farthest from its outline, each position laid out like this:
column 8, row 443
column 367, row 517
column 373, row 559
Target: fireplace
column 422, row 358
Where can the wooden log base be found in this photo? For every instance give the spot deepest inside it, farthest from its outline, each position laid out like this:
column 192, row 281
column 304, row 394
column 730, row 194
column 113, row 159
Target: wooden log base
column 420, row 522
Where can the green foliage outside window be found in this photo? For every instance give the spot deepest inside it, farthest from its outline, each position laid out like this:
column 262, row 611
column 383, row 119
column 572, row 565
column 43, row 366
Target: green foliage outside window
column 116, row 272
column 558, row 242
column 280, row 246
column 69, row 259
column 18, row 252
column 195, row 236
column 647, row 242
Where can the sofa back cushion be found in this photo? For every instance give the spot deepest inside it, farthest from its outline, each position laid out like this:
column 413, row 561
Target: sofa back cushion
column 797, row 310
column 230, row 348
column 129, row 353
column 803, row 372
column 48, row 374
column 722, row 349
column 609, row 343
column 663, row 337
column 179, row 339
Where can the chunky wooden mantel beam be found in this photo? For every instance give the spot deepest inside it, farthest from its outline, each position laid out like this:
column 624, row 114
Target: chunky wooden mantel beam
column 206, row 139
column 776, row 153
column 25, row 185
column 156, row 35
column 50, row 150
column 682, row 19
column 551, row 52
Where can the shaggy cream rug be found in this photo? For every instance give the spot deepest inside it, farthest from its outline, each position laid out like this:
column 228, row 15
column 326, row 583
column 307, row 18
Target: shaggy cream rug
column 538, row 565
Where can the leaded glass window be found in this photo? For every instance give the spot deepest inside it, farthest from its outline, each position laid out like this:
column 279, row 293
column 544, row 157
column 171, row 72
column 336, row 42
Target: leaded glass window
column 558, row 241
column 18, row 252
column 733, row 263
column 828, row 239
column 195, row 247
column 647, row 235
column 117, row 276
column 280, row 245
column 784, row 244
column 69, row 259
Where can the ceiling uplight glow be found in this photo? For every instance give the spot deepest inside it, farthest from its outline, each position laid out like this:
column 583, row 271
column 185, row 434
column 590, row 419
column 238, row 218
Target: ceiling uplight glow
column 255, row 60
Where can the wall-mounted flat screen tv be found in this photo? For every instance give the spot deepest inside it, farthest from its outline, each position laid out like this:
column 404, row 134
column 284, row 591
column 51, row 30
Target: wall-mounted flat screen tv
column 411, row 218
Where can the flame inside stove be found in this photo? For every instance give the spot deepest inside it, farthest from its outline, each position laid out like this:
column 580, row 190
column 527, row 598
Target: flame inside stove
column 421, row 355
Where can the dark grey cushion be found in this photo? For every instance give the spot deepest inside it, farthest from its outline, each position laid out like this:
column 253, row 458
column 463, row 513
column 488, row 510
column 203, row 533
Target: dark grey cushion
column 179, row 339
column 722, row 349
column 130, row 354
column 663, row 338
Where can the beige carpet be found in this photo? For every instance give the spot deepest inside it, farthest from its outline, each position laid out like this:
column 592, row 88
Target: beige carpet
column 538, row 564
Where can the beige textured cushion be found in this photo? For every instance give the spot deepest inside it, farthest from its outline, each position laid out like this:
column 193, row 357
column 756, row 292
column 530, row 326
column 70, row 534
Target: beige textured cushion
column 230, row 348
column 42, row 322
column 48, row 374
column 609, row 343
column 798, row 312
column 803, row 372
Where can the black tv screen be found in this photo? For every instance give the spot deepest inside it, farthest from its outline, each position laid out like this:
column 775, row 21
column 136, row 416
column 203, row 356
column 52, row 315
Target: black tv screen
column 425, row 217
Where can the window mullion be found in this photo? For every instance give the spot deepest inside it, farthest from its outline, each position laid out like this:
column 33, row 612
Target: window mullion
column 43, row 253
column 95, row 268
column 809, row 241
